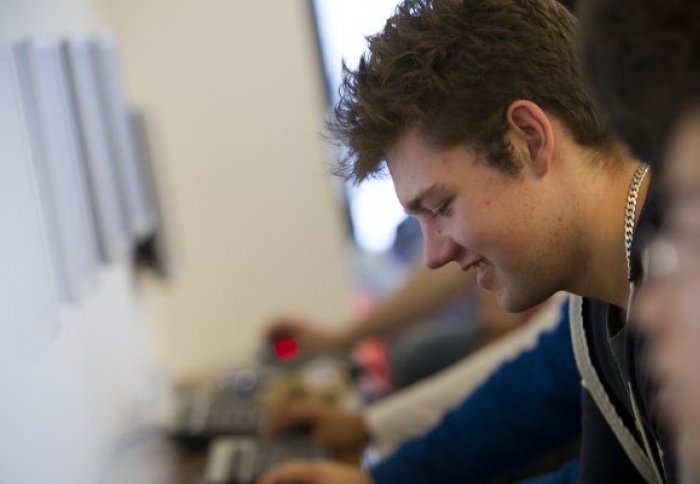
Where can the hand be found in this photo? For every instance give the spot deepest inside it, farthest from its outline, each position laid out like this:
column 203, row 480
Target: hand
column 311, row 339
column 336, row 429
column 314, row 472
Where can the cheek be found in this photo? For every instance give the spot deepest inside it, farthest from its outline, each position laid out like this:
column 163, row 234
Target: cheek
column 676, row 337
column 651, row 313
column 461, row 227
column 652, row 317
column 686, row 305
column 465, row 237
column 486, row 227
column 681, row 364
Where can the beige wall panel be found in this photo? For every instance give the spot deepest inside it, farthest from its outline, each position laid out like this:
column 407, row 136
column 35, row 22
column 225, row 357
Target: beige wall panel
column 235, row 96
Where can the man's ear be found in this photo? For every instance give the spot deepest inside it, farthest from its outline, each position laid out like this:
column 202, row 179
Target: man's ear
column 530, row 126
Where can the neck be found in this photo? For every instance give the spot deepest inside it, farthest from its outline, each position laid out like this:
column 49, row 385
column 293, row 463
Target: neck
column 605, row 273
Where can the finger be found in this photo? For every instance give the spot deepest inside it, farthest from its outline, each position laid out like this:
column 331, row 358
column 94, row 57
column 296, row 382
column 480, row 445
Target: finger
column 291, row 415
column 280, row 326
column 296, row 472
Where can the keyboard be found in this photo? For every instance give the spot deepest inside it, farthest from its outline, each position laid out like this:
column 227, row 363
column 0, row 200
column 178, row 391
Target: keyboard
column 231, row 409
column 242, row 460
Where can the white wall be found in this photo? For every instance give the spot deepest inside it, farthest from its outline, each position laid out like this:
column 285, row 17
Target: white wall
column 22, row 18
column 69, row 402
column 70, row 387
column 235, row 95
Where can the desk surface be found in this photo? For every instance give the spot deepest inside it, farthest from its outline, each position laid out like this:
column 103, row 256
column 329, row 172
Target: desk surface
column 149, row 458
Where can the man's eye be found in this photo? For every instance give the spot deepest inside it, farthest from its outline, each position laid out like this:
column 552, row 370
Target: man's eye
column 442, row 209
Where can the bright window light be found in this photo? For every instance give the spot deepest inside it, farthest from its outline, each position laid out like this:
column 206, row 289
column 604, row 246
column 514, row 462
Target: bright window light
column 343, row 26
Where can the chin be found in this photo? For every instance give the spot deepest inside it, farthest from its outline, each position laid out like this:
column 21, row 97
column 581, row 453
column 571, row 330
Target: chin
column 517, row 302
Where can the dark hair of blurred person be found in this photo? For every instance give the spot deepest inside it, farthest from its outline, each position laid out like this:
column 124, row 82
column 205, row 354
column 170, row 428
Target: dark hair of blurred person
column 643, row 60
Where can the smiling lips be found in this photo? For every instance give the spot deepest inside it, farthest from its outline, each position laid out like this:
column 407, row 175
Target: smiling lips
column 485, row 273
column 478, row 263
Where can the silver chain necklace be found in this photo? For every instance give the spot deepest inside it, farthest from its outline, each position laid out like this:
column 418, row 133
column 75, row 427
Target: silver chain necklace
column 631, row 209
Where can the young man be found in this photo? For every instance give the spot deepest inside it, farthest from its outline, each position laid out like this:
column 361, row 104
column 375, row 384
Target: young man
column 480, row 112
column 643, row 58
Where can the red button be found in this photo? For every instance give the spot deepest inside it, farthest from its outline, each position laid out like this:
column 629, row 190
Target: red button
column 286, row 348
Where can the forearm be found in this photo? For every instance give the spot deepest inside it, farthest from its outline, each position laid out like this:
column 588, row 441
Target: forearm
column 424, row 292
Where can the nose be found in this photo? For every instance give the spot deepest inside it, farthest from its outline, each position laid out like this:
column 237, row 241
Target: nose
column 438, row 249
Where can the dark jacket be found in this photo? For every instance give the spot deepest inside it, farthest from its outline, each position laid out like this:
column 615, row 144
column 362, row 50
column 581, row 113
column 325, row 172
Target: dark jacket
column 622, row 440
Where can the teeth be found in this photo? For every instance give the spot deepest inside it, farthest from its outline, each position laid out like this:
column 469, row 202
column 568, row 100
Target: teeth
column 478, row 264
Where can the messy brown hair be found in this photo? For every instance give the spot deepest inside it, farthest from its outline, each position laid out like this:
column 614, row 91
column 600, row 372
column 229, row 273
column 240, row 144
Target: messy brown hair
column 449, row 69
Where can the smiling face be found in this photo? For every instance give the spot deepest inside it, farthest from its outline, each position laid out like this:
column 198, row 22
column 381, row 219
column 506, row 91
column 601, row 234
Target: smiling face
column 478, row 216
column 669, row 302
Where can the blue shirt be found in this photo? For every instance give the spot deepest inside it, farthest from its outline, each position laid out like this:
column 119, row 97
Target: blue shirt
column 530, row 405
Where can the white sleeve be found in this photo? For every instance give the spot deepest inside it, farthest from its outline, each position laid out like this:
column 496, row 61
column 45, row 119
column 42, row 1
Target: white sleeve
column 414, row 410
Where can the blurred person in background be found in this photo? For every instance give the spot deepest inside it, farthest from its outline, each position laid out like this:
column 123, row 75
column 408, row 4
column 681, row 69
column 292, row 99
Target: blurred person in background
column 489, row 407
column 643, row 58
column 433, row 319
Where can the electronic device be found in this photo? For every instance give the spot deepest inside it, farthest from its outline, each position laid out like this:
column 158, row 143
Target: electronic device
column 242, row 460
column 113, row 234
column 285, row 347
column 228, row 421
column 153, row 250
column 282, row 350
column 137, row 206
column 202, row 417
column 58, row 166
column 231, row 408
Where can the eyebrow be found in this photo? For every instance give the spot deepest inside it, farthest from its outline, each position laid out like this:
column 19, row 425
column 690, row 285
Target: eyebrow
column 416, row 203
